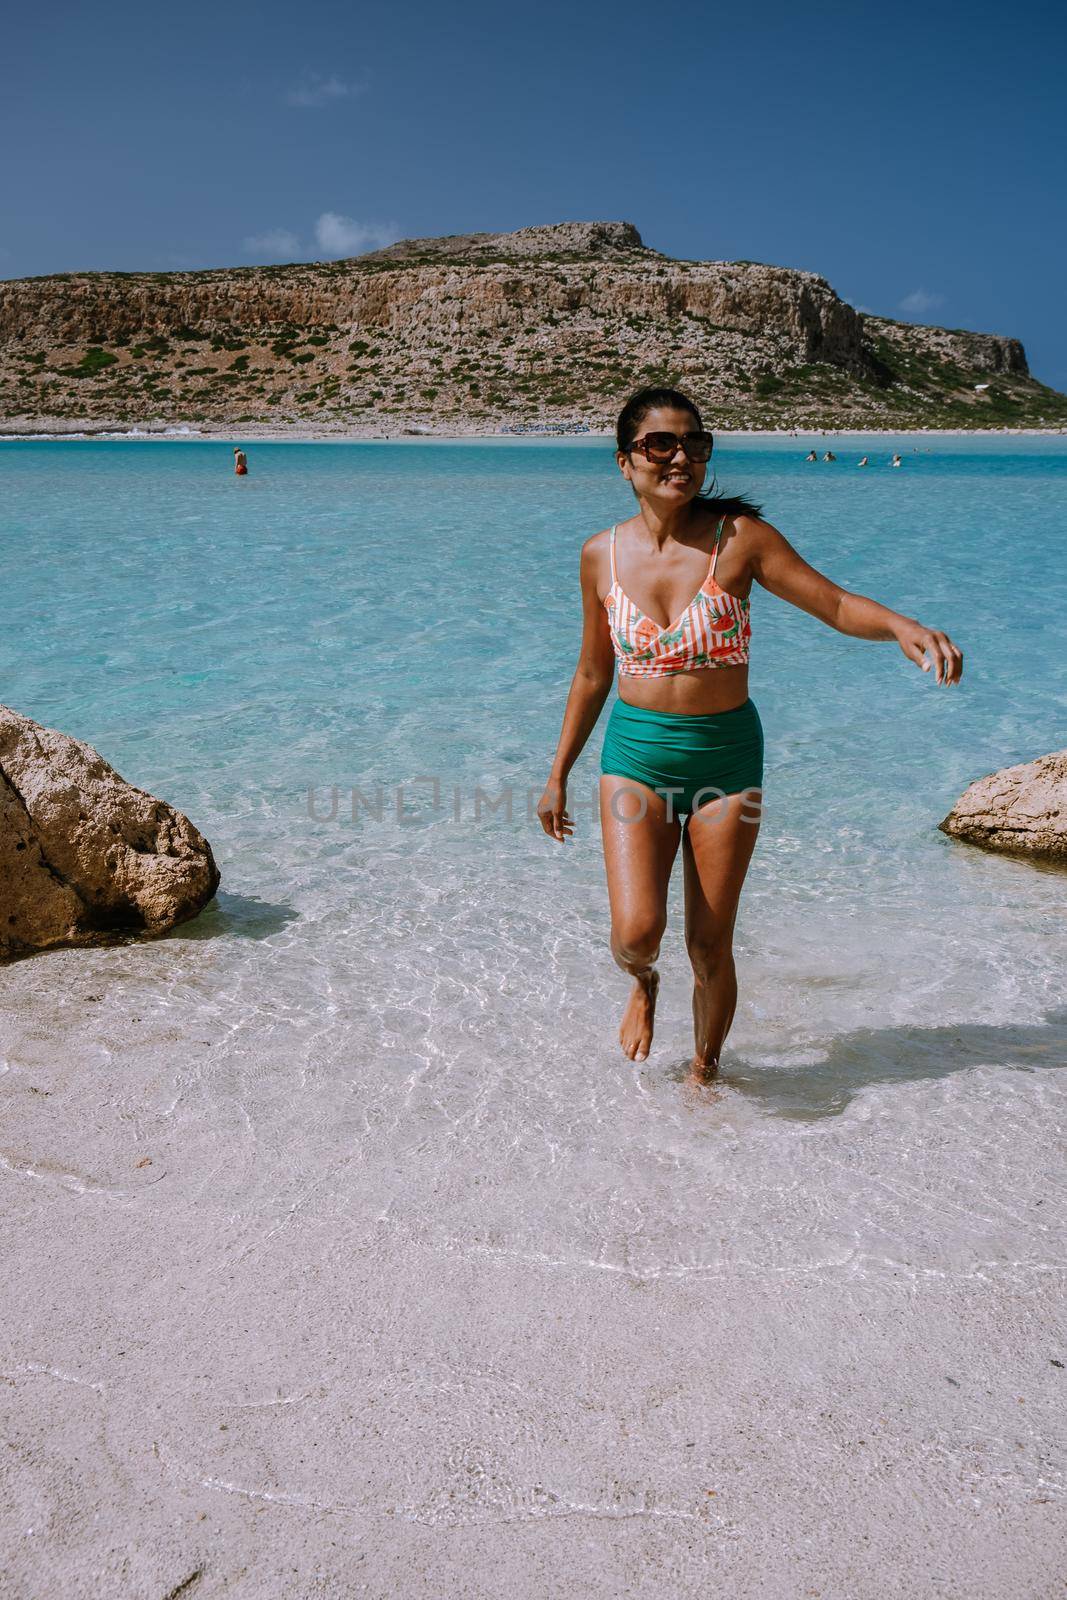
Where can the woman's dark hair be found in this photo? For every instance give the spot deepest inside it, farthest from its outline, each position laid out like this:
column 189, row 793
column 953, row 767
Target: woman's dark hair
column 634, row 413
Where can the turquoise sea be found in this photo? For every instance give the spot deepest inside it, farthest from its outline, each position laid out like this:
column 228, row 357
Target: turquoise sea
column 386, row 1056
column 362, row 615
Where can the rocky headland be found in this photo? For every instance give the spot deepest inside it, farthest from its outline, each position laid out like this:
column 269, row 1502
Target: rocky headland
column 478, row 332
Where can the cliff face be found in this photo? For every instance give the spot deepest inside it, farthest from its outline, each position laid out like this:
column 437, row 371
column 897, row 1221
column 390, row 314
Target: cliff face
column 971, row 352
column 544, row 323
column 394, row 293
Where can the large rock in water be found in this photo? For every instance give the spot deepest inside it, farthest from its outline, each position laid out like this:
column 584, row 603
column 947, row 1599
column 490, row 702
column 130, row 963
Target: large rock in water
column 84, row 856
column 1019, row 809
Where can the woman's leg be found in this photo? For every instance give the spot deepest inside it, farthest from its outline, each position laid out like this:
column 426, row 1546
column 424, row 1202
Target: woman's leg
column 640, row 844
column 719, row 840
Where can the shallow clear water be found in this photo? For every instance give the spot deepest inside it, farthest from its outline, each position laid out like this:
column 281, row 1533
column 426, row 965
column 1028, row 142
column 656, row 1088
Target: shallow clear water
column 397, row 1033
column 355, row 618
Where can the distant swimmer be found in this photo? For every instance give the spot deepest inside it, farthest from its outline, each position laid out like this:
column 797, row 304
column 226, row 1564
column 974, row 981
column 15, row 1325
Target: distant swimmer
column 240, row 463
column 829, row 456
column 811, row 456
column 864, row 461
column 896, row 462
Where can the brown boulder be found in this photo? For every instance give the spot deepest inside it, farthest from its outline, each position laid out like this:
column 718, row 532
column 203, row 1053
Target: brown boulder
column 85, row 858
column 1020, row 809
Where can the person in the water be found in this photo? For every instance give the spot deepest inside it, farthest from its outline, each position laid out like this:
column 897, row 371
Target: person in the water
column 684, row 740
column 240, row 461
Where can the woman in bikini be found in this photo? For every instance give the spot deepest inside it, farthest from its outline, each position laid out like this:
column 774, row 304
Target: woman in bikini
column 682, row 760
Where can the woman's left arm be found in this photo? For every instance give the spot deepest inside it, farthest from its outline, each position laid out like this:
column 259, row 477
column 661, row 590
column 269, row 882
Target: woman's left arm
column 781, row 569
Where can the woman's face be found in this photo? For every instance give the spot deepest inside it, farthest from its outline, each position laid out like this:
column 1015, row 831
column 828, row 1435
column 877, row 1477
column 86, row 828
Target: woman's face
column 668, row 483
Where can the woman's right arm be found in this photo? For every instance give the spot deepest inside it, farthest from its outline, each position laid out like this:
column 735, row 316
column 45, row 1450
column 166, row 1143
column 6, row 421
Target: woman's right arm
column 590, row 687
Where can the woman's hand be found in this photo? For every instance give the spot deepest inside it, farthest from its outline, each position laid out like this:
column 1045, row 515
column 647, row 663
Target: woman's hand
column 552, row 810
column 918, row 642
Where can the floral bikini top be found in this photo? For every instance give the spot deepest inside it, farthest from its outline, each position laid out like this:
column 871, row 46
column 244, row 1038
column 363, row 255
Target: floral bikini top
column 713, row 630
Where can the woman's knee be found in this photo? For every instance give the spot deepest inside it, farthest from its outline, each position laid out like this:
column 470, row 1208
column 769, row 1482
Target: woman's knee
column 636, row 942
column 710, row 951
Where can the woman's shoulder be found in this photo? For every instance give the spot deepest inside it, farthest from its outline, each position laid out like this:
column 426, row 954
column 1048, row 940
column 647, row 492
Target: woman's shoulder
column 596, row 543
column 596, row 564
column 747, row 522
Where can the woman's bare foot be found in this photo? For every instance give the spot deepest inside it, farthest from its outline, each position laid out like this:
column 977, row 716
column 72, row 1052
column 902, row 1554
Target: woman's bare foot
column 698, row 1093
column 703, row 1069
column 638, row 1020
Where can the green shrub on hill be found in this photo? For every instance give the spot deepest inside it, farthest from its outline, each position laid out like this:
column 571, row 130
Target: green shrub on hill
column 93, row 361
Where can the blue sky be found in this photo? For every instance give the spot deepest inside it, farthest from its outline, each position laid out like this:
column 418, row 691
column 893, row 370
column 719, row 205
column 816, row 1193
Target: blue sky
column 914, row 155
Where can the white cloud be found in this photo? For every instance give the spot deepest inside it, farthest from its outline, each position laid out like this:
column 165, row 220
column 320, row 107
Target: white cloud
column 277, row 244
column 921, row 300
column 343, row 236
column 335, row 236
column 315, row 90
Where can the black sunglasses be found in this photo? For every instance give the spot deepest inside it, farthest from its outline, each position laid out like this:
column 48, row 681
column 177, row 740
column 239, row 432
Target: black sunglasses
column 662, row 447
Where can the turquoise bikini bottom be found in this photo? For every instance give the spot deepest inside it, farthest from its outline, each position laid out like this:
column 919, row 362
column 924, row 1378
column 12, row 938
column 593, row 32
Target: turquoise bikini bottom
column 689, row 760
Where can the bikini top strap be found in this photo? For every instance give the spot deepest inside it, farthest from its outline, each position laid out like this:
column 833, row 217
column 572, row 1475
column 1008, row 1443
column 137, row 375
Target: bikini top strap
column 715, row 552
column 614, row 579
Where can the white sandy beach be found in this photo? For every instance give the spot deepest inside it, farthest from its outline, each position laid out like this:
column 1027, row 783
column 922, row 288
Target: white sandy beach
column 304, row 1341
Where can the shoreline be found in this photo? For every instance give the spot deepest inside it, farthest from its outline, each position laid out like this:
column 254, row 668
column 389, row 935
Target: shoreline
column 184, row 433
